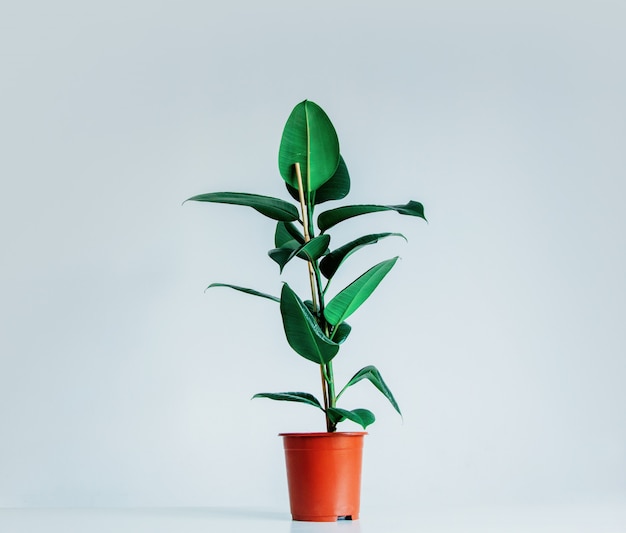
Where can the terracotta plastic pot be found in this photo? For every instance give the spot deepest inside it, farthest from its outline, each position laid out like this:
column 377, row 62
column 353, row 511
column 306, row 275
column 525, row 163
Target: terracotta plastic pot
column 324, row 475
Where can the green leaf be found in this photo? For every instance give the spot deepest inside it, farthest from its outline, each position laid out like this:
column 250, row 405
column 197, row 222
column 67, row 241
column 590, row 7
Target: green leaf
column 363, row 417
column 300, row 397
column 351, row 298
column 310, row 251
column 343, row 330
column 333, row 260
column 335, row 188
column 285, row 232
column 309, row 138
column 329, row 218
column 372, row 374
column 274, row 208
column 303, row 332
column 315, row 248
column 283, row 255
column 247, row 291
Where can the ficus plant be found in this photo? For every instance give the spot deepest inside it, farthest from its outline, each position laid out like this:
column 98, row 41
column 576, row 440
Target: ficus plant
column 310, row 163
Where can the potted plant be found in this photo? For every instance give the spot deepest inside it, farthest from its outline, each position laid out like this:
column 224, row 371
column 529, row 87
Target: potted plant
column 314, row 171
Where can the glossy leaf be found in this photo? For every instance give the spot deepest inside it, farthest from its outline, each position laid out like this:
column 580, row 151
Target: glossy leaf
column 330, row 218
column 282, row 255
column 335, row 188
column 372, row 374
column 315, row 248
column 311, row 251
column 363, row 417
column 285, row 232
column 247, row 291
column 300, row 397
column 330, row 263
column 353, row 296
column 274, row 208
column 303, row 332
column 343, row 330
column 309, row 138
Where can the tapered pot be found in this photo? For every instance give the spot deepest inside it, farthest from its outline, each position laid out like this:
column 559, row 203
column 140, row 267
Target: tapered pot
column 324, row 475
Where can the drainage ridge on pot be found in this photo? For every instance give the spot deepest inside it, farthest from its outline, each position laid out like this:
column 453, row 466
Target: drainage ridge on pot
column 324, row 475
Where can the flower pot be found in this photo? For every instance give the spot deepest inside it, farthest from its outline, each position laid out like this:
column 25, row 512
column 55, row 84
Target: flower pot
column 324, row 475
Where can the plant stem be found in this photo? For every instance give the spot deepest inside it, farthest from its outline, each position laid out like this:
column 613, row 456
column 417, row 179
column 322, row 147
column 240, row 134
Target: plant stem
column 314, row 281
column 331, row 383
column 307, row 238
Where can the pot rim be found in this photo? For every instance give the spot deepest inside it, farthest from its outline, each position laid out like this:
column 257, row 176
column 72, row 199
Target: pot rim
column 325, row 434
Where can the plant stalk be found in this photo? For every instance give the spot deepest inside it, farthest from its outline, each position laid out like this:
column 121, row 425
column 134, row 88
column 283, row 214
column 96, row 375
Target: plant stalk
column 326, row 388
column 307, row 237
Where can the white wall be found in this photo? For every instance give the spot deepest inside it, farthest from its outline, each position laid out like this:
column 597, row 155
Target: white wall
column 501, row 332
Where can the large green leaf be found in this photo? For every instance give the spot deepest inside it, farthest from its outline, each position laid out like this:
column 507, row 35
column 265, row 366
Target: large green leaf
column 329, row 218
column 247, row 291
column 363, row 417
column 274, row 208
column 310, row 251
column 283, row 254
column 350, row 299
column 335, row 188
column 343, row 330
column 300, row 397
column 303, row 332
column 309, row 138
column 330, row 263
column 372, row 374
column 285, row 232
column 315, row 248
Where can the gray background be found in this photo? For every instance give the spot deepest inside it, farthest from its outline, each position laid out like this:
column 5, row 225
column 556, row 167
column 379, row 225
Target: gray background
column 501, row 331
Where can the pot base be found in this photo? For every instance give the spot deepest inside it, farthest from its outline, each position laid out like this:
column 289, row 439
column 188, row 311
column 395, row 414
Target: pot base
column 317, row 518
